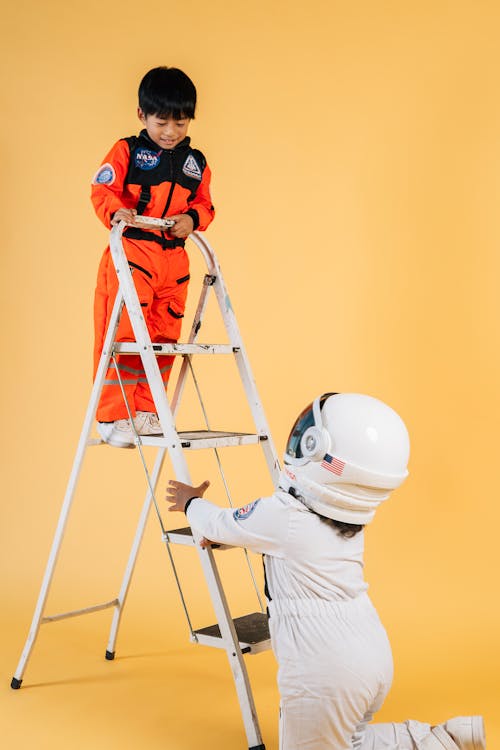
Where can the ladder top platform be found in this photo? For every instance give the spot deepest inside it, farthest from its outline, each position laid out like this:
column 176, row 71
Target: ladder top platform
column 199, row 439
column 131, row 347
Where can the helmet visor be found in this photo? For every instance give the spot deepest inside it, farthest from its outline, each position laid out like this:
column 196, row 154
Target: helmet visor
column 307, row 418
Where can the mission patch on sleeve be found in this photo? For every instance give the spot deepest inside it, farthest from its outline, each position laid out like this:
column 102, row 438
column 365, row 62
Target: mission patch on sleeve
column 105, row 175
column 241, row 513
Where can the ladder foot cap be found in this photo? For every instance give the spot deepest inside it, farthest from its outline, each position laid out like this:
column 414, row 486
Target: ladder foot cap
column 110, row 655
column 257, row 747
column 15, row 684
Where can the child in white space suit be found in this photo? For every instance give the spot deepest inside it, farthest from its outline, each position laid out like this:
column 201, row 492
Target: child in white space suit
column 345, row 454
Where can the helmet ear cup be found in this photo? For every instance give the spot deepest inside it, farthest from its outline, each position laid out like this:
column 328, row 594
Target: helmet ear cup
column 315, row 442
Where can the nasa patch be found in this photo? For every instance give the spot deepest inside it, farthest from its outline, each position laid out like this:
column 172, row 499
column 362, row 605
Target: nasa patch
column 191, row 168
column 146, row 159
column 241, row 513
column 105, row 175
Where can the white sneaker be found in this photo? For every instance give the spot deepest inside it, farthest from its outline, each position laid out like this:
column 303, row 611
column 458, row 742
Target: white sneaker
column 147, row 423
column 462, row 732
column 119, row 434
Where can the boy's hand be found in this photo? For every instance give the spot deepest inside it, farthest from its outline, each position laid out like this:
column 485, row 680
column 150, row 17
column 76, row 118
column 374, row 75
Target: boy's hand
column 179, row 493
column 183, row 225
column 124, row 214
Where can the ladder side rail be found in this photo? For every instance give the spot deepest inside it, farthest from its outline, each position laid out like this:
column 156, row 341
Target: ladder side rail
column 229, row 636
column 143, row 339
column 256, row 407
column 232, row 646
column 225, row 622
column 155, row 381
column 139, row 534
column 179, row 463
column 187, row 363
column 132, row 559
column 152, row 489
column 224, row 619
column 157, row 387
column 241, row 357
column 70, row 492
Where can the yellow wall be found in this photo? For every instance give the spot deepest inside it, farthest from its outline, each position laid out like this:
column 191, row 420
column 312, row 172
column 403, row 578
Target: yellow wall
column 356, row 156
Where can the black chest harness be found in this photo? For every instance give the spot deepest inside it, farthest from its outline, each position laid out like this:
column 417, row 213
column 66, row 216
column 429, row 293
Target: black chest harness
column 150, row 166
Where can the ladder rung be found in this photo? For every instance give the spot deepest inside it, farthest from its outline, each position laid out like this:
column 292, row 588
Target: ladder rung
column 199, row 439
column 185, row 536
column 131, row 347
column 252, row 631
column 180, row 536
column 77, row 612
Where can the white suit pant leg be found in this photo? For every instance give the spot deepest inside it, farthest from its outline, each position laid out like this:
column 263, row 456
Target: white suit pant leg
column 334, row 662
column 384, row 736
column 408, row 735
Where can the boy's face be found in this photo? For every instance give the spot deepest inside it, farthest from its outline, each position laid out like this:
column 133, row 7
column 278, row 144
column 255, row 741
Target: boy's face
column 165, row 132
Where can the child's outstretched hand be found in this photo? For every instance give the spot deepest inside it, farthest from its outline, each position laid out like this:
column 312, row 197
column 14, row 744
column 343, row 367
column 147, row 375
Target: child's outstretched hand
column 179, row 493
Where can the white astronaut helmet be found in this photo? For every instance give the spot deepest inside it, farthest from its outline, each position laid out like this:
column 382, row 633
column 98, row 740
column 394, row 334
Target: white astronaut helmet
column 345, row 454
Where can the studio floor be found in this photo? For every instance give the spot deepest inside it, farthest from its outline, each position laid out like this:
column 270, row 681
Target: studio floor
column 163, row 692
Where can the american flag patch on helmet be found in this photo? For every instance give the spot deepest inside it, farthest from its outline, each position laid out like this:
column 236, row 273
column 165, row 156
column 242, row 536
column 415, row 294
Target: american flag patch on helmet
column 335, row 465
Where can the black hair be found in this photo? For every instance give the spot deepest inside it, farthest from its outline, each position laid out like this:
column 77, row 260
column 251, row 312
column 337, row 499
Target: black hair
column 167, row 92
column 347, row 530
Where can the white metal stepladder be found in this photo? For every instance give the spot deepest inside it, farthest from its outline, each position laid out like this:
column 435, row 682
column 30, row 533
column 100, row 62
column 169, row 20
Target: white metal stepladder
column 247, row 634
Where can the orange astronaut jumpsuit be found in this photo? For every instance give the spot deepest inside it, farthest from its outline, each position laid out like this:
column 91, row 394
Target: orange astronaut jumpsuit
column 136, row 173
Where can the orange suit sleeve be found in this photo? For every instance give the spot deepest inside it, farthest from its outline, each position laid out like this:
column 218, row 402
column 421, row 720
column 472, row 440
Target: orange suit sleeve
column 108, row 182
column 201, row 208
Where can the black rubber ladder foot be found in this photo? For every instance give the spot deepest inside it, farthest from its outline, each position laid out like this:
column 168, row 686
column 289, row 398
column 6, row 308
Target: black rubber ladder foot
column 257, row 747
column 15, row 684
column 110, row 655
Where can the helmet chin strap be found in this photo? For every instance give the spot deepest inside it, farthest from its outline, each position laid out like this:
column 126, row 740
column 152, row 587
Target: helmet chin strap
column 332, row 501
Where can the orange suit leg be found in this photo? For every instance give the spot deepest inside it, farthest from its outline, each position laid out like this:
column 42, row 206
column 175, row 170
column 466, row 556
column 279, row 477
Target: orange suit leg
column 165, row 315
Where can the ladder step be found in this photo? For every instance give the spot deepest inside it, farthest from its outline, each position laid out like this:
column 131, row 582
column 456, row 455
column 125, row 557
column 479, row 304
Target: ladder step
column 252, row 631
column 199, row 439
column 185, row 536
column 131, row 347
column 180, row 536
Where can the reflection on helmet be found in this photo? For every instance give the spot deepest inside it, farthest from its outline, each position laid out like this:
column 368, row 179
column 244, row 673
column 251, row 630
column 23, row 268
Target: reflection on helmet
column 345, row 454
column 305, row 420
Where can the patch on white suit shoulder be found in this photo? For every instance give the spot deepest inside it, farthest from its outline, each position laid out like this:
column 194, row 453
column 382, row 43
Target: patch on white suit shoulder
column 241, row 513
column 105, row 175
column 191, row 168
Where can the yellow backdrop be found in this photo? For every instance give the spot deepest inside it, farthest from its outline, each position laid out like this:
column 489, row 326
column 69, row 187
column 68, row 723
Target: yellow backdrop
column 356, row 157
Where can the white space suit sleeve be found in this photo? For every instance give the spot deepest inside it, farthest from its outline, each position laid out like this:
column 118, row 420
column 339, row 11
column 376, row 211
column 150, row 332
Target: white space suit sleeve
column 261, row 526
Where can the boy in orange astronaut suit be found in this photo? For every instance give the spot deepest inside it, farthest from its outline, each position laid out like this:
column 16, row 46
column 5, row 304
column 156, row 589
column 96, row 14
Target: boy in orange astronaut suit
column 157, row 174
